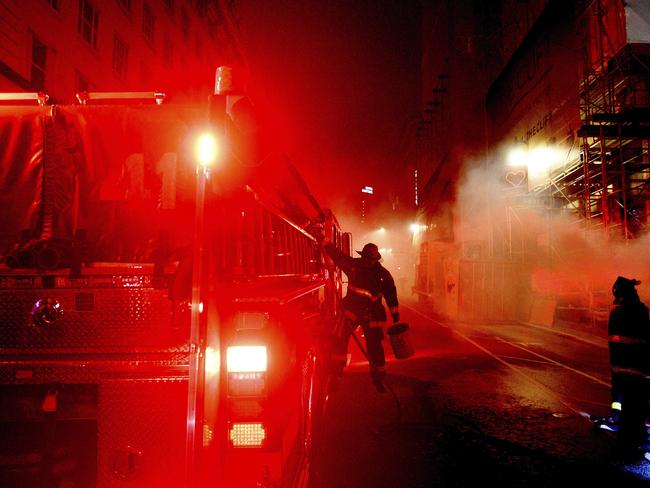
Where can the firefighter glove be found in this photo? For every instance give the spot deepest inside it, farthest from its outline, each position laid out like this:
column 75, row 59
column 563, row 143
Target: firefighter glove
column 395, row 317
column 318, row 232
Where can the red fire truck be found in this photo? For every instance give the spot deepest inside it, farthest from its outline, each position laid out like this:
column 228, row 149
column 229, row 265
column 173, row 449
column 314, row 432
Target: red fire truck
column 162, row 324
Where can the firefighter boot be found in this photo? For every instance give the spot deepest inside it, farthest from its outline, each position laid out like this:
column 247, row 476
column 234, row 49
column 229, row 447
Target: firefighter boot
column 609, row 423
column 378, row 373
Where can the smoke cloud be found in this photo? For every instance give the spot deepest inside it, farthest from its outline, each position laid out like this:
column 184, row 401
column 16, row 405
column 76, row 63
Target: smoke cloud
column 565, row 254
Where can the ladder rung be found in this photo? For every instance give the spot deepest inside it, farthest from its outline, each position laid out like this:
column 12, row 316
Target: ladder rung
column 16, row 97
column 85, row 97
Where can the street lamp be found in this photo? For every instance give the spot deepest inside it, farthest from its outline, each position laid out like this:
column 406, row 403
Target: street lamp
column 416, row 228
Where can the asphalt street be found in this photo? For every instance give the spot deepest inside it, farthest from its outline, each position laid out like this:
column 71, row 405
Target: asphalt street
column 477, row 403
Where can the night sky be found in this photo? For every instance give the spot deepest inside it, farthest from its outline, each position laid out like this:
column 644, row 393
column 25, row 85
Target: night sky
column 340, row 80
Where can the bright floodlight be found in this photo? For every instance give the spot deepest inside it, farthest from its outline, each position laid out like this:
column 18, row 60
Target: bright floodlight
column 382, row 230
column 544, row 158
column 206, row 150
column 518, row 156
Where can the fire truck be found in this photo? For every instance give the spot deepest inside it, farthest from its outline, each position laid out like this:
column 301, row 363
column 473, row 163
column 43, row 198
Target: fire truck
column 163, row 322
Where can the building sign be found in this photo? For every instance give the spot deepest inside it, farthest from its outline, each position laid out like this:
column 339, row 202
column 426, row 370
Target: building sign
column 535, row 100
column 516, row 177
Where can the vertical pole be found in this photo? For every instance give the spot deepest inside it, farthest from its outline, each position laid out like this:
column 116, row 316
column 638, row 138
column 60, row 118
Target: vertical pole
column 509, row 227
column 195, row 383
column 621, row 162
column 603, row 179
column 216, row 113
column 549, row 216
column 586, row 192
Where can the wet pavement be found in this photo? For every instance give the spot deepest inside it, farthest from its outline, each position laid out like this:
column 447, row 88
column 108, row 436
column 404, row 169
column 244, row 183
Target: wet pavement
column 501, row 404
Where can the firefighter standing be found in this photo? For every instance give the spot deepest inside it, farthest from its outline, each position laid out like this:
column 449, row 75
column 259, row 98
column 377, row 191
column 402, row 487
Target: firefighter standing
column 368, row 283
column 629, row 355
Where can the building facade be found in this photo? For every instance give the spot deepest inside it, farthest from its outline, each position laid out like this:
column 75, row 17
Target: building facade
column 551, row 201
column 62, row 47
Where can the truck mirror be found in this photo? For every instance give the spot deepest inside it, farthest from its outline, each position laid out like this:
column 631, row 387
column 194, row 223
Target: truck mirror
column 346, row 243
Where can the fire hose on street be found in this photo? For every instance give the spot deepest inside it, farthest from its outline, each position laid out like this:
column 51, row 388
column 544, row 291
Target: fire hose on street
column 384, row 379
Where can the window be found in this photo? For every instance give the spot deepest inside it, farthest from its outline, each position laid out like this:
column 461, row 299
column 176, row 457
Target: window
column 88, row 22
column 185, row 25
column 145, row 73
column 198, row 50
column 120, row 57
column 148, row 22
column 168, row 52
column 83, row 84
column 201, row 7
column 125, row 4
column 39, row 55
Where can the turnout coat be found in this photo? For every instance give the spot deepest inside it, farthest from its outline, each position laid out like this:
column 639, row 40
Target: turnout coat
column 367, row 285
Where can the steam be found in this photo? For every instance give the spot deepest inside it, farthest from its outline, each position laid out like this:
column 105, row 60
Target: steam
column 563, row 253
column 389, row 231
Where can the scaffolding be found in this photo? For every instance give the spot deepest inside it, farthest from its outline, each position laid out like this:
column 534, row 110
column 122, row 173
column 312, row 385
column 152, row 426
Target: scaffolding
column 603, row 184
column 615, row 115
column 606, row 187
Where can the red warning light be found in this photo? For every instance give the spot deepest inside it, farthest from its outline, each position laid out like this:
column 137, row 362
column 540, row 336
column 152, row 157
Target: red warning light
column 247, row 434
column 246, row 359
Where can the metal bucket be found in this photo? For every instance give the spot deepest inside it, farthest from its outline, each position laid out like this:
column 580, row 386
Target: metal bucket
column 400, row 340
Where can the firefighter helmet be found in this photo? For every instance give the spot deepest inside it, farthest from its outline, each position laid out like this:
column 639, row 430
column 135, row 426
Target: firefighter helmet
column 624, row 287
column 370, row 251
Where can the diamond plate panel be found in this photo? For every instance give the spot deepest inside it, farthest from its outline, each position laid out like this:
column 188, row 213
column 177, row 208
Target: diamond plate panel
column 95, row 319
column 48, row 453
column 32, row 374
column 84, row 371
column 139, row 409
column 141, row 429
